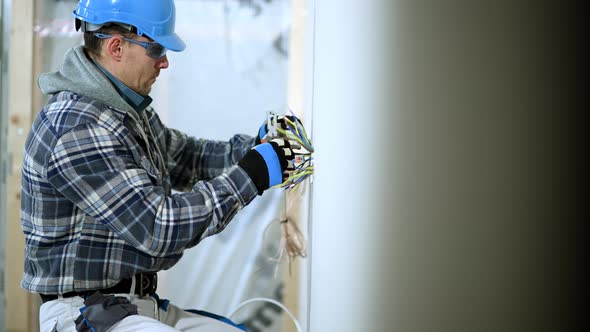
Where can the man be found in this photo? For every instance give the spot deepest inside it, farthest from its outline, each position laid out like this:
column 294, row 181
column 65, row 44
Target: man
column 97, row 209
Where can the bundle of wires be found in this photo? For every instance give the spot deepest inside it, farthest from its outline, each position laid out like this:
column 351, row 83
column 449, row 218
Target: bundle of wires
column 293, row 130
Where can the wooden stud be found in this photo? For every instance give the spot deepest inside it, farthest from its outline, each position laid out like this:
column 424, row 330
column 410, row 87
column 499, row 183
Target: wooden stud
column 296, row 101
column 18, row 310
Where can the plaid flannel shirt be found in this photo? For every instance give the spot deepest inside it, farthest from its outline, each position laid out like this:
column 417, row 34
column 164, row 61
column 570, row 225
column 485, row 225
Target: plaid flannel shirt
column 96, row 210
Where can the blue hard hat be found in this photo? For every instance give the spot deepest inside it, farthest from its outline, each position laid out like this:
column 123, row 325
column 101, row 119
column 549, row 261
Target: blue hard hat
column 153, row 18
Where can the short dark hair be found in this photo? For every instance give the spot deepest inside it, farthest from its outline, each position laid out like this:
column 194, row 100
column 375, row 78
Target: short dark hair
column 92, row 44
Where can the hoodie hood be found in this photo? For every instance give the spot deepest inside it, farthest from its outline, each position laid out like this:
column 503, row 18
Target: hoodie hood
column 80, row 75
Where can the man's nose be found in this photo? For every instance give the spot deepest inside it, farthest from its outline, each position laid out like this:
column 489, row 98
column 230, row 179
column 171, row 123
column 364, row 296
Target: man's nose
column 163, row 62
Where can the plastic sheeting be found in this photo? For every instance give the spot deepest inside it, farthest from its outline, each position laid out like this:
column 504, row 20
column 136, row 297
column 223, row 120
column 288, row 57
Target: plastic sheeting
column 233, row 71
column 207, row 91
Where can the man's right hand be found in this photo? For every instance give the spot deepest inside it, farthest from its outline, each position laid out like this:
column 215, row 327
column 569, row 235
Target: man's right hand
column 268, row 164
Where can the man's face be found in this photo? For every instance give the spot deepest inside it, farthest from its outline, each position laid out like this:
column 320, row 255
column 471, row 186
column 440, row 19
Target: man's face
column 139, row 71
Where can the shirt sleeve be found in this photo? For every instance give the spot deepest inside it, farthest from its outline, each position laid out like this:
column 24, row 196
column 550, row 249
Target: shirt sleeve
column 191, row 159
column 94, row 170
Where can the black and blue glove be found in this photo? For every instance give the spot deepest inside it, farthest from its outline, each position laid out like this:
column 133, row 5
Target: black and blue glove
column 268, row 164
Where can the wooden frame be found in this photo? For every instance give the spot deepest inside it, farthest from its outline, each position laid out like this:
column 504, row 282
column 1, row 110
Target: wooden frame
column 4, row 19
column 22, row 313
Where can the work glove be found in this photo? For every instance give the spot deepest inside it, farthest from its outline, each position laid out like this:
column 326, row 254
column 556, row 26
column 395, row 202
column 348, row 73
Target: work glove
column 269, row 164
column 264, row 128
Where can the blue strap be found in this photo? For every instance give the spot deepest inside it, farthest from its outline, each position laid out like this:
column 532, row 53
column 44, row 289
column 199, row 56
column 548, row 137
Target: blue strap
column 86, row 322
column 275, row 174
column 162, row 303
column 217, row 317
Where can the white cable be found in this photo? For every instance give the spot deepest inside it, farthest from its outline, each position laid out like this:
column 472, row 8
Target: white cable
column 275, row 302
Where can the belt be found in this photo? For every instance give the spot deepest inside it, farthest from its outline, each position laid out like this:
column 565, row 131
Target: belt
column 145, row 284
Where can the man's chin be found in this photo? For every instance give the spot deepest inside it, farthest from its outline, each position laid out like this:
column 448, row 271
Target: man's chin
column 146, row 91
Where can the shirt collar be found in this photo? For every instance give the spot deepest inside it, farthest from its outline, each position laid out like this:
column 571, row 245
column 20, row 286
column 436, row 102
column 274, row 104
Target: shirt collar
column 137, row 101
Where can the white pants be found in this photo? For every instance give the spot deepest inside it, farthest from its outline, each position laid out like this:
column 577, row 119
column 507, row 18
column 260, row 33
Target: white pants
column 60, row 314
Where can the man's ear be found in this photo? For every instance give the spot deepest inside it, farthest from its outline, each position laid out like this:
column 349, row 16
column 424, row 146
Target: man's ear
column 114, row 48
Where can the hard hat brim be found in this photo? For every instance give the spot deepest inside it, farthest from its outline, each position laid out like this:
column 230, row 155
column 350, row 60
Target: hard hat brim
column 171, row 42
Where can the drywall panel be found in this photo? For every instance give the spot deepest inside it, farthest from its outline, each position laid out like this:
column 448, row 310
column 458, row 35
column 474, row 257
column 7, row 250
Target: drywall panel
column 346, row 201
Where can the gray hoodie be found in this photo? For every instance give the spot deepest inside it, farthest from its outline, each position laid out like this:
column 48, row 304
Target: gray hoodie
column 81, row 76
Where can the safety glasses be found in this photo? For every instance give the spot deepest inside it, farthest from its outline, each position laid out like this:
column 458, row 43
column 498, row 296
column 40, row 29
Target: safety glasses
column 153, row 49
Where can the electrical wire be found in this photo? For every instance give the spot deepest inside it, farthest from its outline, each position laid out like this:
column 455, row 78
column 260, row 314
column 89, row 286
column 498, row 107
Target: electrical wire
column 292, row 243
column 264, row 299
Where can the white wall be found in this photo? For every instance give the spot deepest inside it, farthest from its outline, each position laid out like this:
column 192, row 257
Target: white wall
column 442, row 197
column 347, row 127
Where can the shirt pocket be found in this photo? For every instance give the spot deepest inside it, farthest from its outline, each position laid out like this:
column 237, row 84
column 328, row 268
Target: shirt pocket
column 149, row 167
column 138, row 152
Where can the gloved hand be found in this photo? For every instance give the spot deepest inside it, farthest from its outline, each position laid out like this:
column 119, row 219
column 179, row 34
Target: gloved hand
column 269, row 164
column 263, row 130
